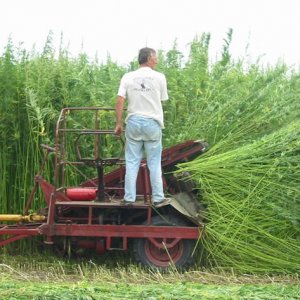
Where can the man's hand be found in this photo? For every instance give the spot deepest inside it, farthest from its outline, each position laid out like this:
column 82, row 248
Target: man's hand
column 119, row 111
column 119, row 130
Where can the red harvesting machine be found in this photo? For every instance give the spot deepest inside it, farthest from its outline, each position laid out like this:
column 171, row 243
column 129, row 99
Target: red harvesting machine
column 90, row 215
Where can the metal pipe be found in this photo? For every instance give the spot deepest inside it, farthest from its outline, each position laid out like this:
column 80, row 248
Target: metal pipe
column 21, row 218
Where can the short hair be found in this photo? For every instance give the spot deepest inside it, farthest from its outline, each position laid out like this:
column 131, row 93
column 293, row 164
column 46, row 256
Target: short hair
column 144, row 54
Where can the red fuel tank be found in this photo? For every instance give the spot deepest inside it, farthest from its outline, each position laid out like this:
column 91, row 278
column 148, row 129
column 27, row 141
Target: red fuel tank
column 81, row 194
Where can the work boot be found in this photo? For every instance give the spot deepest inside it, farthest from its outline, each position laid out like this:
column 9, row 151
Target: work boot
column 127, row 203
column 164, row 202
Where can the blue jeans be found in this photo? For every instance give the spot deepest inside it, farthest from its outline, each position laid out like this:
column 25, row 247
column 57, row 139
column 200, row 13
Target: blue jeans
column 143, row 134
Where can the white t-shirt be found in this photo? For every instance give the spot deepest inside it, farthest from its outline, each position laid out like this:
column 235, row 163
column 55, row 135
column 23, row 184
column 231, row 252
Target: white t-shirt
column 144, row 89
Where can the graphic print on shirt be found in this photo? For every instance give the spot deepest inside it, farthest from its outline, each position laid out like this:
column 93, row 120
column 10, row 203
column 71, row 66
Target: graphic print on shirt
column 142, row 84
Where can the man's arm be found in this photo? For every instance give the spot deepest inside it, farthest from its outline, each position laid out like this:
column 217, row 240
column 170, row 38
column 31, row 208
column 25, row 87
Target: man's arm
column 119, row 113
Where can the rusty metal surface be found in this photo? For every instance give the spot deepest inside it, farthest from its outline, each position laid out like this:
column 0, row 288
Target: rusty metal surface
column 188, row 205
column 128, row 231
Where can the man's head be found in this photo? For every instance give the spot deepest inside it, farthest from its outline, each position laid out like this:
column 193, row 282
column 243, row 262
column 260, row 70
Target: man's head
column 147, row 57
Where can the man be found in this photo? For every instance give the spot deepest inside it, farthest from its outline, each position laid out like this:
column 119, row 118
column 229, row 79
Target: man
column 144, row 90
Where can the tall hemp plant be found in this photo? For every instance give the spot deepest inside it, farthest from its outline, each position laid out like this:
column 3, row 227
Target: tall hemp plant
column 249, row 179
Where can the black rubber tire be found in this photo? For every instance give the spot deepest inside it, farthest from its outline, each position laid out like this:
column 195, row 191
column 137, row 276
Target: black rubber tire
column 150, row 256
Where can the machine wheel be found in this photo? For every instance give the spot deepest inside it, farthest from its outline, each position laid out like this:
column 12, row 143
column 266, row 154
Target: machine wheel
column 178, row 255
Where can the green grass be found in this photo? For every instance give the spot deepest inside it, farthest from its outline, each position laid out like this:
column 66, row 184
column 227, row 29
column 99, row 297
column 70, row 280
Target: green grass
column 38, row 276
column 181, row 290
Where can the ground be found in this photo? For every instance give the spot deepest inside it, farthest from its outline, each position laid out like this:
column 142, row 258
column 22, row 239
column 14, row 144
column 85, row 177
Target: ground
column 38, row 277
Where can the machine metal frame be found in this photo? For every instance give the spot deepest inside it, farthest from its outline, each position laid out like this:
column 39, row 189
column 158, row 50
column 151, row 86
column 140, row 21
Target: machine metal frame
column 91, row 214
